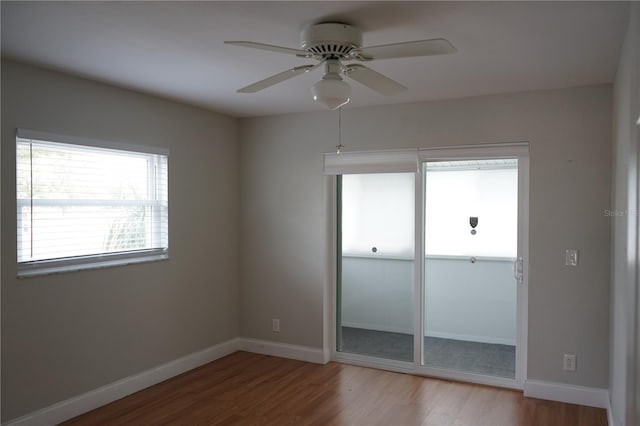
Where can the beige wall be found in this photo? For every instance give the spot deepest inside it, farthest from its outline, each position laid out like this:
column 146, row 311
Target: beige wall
column 66, row 334
column 624, row 366
column 282, row 206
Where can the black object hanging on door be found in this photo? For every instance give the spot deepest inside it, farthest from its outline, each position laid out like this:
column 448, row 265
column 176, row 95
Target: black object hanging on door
column 473, row 221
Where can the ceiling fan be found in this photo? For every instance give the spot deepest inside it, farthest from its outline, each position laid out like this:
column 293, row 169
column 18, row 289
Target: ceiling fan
column 332, row 43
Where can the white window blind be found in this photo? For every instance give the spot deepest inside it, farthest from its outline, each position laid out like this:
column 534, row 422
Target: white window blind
column 88, row 206
column 378, row 211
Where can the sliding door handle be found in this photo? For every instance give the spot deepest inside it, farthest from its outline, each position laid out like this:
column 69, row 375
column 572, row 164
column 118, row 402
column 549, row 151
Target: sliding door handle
column 518, row 270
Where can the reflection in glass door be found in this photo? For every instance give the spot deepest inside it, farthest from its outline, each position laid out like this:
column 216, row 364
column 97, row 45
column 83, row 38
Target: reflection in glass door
column 471, row 247
column 376, row 234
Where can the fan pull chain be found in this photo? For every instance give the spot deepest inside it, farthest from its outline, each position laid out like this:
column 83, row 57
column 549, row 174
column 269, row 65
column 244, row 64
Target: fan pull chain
column 339, row 146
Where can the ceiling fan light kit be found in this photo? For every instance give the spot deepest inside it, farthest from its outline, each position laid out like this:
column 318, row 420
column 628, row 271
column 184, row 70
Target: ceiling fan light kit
column 331, row 91
column 330, row 44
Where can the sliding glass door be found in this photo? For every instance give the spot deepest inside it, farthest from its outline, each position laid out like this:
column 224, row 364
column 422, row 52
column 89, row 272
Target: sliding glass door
column 431, row 250
column 376, row 265
column 470, row 241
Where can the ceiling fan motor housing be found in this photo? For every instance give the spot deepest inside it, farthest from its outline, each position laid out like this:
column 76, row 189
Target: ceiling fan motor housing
column 331, row 40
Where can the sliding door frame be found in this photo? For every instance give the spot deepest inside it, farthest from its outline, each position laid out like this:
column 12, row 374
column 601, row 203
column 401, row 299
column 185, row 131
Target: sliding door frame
column 519, row 151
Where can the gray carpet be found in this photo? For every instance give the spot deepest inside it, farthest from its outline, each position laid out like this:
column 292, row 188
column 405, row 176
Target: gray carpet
column 482, row 358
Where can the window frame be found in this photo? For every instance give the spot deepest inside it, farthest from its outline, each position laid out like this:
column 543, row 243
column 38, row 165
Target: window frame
column 100, row 260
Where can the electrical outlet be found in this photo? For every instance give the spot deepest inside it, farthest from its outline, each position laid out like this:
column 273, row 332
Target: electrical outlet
column 275, row 325
column 569, row 362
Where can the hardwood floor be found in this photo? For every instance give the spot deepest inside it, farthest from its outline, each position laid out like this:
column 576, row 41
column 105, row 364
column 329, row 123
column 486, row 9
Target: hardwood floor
column 251, row 389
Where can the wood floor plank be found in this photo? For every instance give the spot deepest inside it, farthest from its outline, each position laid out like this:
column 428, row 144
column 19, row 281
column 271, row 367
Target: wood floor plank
column 252, row 389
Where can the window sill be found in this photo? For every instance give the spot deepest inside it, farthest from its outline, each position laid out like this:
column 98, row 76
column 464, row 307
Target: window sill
column 38, row 268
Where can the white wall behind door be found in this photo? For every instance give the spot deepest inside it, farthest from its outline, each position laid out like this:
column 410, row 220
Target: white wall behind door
column 464, row 300
column 471, row 301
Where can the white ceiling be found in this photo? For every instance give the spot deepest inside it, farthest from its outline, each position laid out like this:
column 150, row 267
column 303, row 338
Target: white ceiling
column 175, row 49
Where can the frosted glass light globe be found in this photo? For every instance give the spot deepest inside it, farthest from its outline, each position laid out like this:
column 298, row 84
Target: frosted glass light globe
column 331, row 92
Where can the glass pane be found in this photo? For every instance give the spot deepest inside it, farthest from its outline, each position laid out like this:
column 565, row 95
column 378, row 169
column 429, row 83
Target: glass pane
column 376, row 265
column 471, row 223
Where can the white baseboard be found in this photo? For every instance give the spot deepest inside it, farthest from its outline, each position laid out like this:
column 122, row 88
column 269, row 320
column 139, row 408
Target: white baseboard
column 572, row 394
column 65, row 410
column 283, row 350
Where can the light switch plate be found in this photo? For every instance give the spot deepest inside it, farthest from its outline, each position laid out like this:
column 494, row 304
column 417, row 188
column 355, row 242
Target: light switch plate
column 571, row 257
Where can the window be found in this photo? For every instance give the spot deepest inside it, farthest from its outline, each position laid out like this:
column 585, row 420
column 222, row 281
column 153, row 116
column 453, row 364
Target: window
column 85, row 204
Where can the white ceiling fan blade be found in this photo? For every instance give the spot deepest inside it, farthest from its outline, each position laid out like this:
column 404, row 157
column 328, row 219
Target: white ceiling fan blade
column 374, row 80
column 277, row 78
column 271, row 48
column 436, row 46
